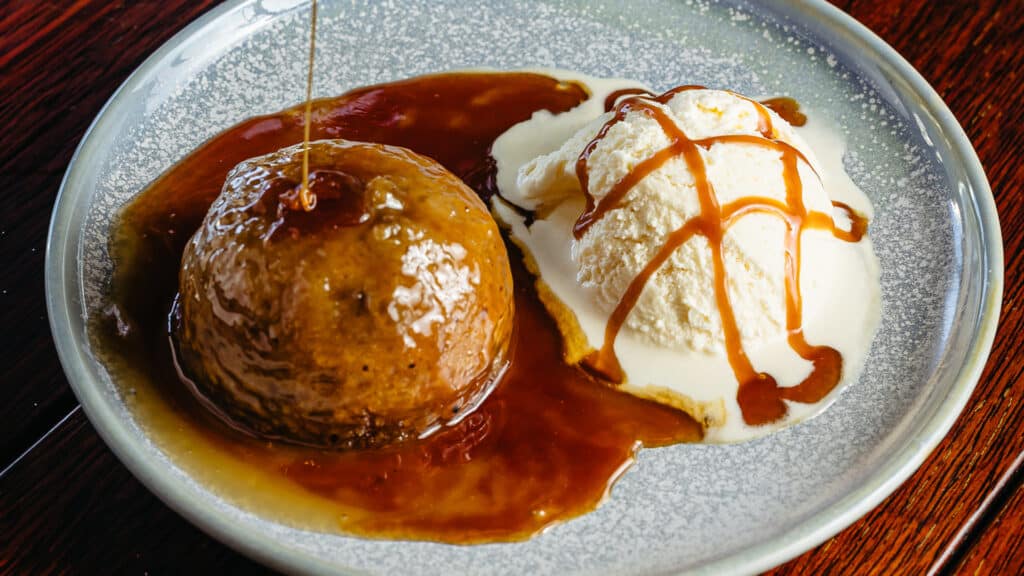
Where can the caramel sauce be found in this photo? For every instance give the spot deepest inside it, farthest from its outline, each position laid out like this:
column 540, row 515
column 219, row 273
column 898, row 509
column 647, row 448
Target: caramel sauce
column 339, row 200
column 759, row 396
column 787, row 108
column 306, row 198
column 545, row 446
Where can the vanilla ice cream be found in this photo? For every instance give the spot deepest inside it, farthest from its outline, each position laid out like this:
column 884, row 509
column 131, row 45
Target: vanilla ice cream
column 704, row 167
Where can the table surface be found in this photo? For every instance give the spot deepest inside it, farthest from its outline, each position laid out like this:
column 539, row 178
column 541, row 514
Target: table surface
column 68, row 505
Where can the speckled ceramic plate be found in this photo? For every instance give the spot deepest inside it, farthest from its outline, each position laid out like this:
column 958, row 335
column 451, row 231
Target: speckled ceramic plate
column 714, row 509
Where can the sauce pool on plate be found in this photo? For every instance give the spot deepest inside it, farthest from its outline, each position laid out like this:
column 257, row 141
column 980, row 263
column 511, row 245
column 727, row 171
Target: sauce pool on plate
column 545, row 446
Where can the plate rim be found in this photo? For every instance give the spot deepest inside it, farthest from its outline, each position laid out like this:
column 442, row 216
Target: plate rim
column 72, row 348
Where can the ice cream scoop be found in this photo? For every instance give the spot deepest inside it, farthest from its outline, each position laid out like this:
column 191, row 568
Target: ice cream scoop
column 696, row 251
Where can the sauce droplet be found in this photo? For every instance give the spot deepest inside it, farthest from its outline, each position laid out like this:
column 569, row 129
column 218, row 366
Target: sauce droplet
column 788, row 109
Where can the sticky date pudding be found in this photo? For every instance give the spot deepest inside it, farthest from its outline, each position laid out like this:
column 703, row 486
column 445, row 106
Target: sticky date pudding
column 373, row 314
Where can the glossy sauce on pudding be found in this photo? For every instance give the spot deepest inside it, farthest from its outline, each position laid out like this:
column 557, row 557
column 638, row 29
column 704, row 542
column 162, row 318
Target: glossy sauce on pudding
column 760, row 398
column 545, row 446
column 382, row 312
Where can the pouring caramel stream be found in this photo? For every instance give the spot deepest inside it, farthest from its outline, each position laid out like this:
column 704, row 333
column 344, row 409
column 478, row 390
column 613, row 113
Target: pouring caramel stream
column 306, row 196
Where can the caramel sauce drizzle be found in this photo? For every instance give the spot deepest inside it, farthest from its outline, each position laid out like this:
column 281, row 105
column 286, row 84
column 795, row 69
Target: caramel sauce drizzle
column 787, row 108
column 759, row 396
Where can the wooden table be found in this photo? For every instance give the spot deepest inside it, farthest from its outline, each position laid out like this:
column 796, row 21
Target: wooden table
column 67, row 505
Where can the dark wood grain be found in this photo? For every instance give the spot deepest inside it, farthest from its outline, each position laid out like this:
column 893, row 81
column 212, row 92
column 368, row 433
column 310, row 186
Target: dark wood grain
column 59, row 63
column 998, row 549
column 107, row 524
column 973, row 53
column 69, row 506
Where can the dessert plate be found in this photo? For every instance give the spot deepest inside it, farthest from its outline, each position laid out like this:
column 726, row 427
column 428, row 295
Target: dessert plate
column 685, row 508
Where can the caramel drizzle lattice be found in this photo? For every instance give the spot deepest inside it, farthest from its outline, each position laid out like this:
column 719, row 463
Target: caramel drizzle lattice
column 759, row 396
